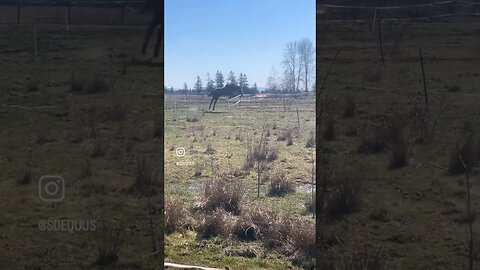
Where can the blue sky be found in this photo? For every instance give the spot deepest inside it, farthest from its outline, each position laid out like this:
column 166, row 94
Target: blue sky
column 247, row 36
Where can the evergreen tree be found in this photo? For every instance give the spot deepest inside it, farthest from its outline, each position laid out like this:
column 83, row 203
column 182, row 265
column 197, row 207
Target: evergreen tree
column 254, row 88
column 219, row 81
column 198, row 85
column 243, row 82
column 231, row 78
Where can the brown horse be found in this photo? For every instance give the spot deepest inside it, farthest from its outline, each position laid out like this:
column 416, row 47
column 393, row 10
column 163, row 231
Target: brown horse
column 155, row 6
column 229, row 91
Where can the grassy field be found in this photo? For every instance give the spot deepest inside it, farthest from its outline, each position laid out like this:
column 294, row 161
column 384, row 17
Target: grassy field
column 396, row 193
column 88, row 109
column 219, row 146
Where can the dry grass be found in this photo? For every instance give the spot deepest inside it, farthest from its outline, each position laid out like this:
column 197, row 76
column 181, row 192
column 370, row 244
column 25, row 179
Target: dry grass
column 286, row 135
column 175, row 215
column 213, row 224
column 146, row 177
column 222, row 193
column 467, row 149
column 272, row 154
column 110, row 239
column 363, row 258
column 257, row 151
column 311, row 140
column 344, row 198
column 210, row 150
column 280, row 185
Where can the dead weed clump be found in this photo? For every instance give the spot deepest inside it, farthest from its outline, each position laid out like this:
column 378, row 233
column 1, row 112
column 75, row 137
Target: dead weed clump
column 344, row 197
column 222, row 193
column 280, row 185
column 214, row 224
column 175, row 215
column 465, row 152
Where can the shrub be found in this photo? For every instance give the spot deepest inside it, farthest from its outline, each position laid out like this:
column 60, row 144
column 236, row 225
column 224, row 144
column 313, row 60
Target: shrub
column 212, row 224
column 468, row 151
column 192, row 119
column 344, row 197
column 251, row 225
column 310, row 140
column 286, row 135
column 109, row 241
column 223, row 194
column 310, row 205
column 146, row 176
column 210, row 150
column 175, row 215
column 256, row 152
column 280, row 185
column 272, row 154
column 301, row 240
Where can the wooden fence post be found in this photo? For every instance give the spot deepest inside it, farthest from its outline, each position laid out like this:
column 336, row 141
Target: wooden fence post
column 423, row 77
column 379, row 26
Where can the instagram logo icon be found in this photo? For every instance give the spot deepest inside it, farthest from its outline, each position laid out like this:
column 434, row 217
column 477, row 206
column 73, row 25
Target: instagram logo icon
column 51, row 188
column 180, row 151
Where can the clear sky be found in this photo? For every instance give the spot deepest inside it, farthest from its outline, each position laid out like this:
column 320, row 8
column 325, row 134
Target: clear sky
column 247, row 36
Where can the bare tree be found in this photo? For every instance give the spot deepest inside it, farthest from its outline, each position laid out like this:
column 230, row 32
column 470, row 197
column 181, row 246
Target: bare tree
column 307, row 59
column 272, row 80
column 290, row 64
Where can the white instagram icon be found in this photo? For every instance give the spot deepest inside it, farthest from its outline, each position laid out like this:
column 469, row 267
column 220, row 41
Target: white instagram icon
column 51, row 188
column 180, row 151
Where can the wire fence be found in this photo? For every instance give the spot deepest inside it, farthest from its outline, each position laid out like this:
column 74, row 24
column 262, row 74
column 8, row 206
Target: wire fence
column 80, row 12
column 429, row 12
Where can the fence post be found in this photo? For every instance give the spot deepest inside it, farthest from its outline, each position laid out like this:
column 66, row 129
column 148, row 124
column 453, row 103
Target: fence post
column 380, row 41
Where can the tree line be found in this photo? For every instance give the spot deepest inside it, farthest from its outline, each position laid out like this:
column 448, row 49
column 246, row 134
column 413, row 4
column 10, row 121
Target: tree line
column 217, row 82
column 298, row 74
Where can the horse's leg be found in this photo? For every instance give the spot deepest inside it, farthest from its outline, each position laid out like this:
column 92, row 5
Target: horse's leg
column 147, row 38
column 211, row 101
column 215, row 103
